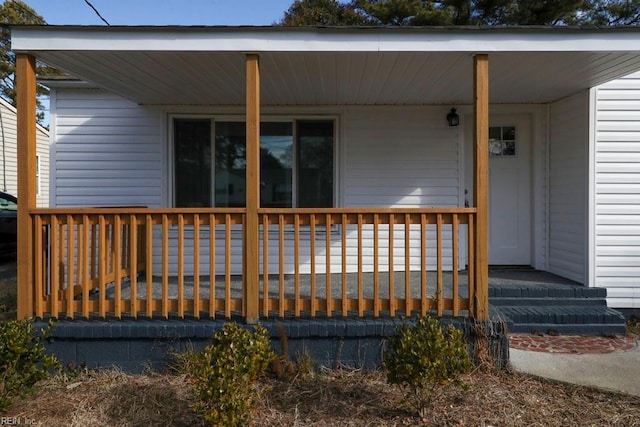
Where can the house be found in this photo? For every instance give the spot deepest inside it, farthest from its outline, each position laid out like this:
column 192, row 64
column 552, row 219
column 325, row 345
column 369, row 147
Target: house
column 9, row 156
column 268, row 171
column 615, row 186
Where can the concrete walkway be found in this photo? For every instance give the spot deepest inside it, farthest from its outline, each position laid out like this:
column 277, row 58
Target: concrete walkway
column 616, row 371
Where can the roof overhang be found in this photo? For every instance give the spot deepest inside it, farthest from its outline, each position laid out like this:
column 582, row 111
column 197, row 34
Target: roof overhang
column 328, row 66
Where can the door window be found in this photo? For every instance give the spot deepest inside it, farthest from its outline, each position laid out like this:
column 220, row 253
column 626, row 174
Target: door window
column 502, row 141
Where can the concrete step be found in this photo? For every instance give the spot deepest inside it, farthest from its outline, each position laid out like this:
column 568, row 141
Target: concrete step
column 545, row 291
column 543, row 302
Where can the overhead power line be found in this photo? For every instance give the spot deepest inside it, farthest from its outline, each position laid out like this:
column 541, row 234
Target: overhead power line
column 96, row 11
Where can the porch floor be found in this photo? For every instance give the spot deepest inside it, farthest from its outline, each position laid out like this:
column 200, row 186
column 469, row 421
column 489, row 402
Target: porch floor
column 498, row 277
column 527, row 300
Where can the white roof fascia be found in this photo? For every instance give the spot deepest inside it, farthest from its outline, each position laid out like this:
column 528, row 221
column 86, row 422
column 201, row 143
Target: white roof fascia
column 33, row 39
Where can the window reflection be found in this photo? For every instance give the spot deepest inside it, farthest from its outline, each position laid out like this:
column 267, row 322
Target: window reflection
column 303, row 165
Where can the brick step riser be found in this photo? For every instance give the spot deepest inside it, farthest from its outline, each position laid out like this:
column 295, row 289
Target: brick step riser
column 537, row 302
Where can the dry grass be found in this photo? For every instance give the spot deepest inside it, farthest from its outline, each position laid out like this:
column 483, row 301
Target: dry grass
column 329, row 398
column 109, row 398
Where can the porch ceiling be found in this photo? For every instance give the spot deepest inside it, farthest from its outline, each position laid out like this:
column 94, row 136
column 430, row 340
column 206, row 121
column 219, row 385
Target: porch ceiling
column 311, row 67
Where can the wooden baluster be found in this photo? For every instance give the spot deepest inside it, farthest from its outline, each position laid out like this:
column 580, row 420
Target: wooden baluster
column 296, row 264
column 133, row 264
column 102, row 264
column 376, row 266
column 360, row 275
column 62, row 270
column 86, row 279
column 71, row 245
column 196, row 266
column 392, row 285
column 439, row 287
column 39, row 252
column 281, row 301
column 53, row 278
column 165, row 266
column 80, row 256
column 265, row 265
column 471, row 269
column 424, row 302
column 407, row 265
column 344, row 266
column 227, row 266
column 312, row 258
column 149, row 259
column 117, row 262
column 181, row 265
column 212, row 266
column 454, row 261
column 328, row 265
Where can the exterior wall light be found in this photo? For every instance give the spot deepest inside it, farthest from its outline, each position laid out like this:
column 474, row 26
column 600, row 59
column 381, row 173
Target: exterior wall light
column 453, row 118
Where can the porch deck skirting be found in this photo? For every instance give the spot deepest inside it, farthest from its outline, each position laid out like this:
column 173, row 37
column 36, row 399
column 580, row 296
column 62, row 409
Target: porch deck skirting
column 312, row 263
column 138, row 345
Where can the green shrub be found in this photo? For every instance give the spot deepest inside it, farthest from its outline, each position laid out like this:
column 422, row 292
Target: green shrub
column 23, row 360
column 424, row 358
column 225, row 374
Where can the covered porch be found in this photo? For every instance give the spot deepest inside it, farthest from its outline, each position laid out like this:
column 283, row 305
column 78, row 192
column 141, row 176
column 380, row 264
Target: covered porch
column 304, row 262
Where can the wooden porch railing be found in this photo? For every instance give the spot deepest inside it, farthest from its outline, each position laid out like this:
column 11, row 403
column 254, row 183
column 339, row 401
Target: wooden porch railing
column 131, row 262
column 367, row 243
column 87, row 257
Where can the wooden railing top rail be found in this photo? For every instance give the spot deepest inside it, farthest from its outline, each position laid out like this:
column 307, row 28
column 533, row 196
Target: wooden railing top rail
column 114, row 210
column 320, row 211
column 268, row 211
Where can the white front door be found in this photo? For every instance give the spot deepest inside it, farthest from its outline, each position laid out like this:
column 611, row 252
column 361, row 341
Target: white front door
column 510, row 191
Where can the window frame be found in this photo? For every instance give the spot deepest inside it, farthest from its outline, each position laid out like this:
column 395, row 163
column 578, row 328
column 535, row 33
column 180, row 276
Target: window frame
column 214, row 118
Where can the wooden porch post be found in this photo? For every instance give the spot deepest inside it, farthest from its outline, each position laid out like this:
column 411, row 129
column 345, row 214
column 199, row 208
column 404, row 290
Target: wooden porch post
column 481, row 181
column 26, row 102
column 251, row 226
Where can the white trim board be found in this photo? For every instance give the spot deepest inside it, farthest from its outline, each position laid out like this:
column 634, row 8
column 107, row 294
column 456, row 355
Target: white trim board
column 272, row 39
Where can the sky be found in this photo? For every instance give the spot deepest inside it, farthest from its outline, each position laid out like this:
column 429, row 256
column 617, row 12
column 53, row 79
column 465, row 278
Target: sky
column 161, row 12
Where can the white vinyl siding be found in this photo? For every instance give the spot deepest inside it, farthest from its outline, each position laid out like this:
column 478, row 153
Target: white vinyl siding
column 9, row 155
column 568, row 171
column 108, row 151
column 617, row 191
column 401, row 157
